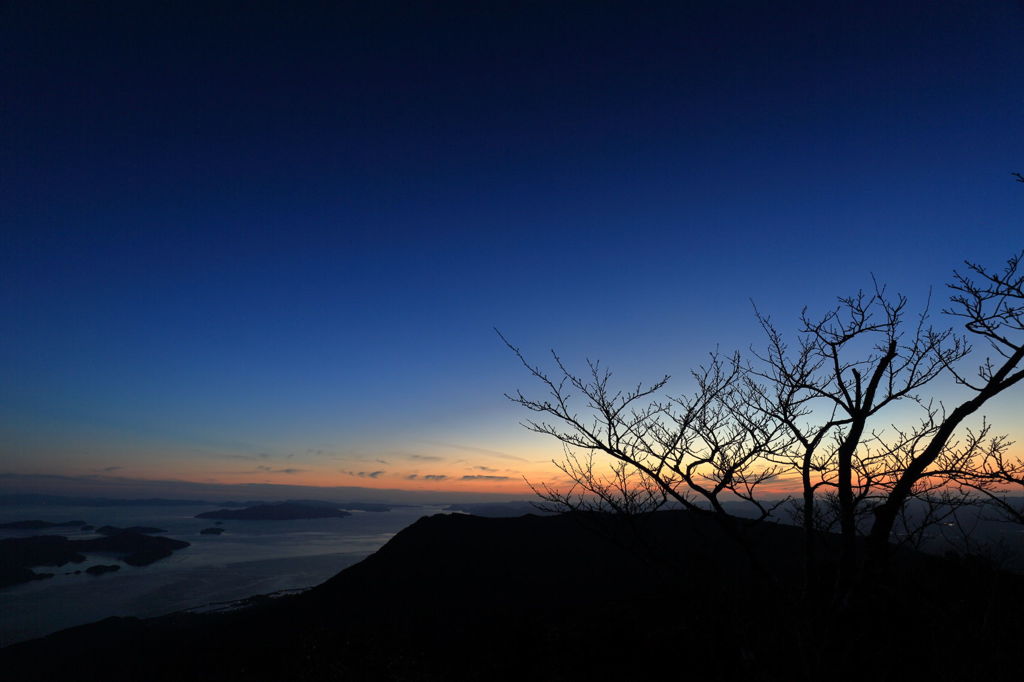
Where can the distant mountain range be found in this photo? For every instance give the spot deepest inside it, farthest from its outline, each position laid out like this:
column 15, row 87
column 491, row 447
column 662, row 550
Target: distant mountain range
column 31, row 500
column 284, row 511
column 109, row 486
column 28, row 499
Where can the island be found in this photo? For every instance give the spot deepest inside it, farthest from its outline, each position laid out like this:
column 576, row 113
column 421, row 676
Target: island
column 100, row 569
column 19, row 555
column 369, row 506
column 347, row 506
column 114, row 530
column 136, row 549
column 285, row 511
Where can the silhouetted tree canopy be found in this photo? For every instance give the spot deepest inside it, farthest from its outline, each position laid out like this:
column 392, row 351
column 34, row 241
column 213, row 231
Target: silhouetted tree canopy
column 814, row 408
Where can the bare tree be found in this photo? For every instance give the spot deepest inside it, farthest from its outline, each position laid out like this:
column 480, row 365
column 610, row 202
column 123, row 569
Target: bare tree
column 618, row 488
column 696, row 450
column 991, row 305
column 815, row 410
column 882, row 468
column 848, row 365
column 997, row 476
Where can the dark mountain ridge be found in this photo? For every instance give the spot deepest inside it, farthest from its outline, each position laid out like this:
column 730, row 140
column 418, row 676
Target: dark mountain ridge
column 566, row 597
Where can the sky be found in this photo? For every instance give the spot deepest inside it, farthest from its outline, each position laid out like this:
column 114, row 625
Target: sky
column 271, row 243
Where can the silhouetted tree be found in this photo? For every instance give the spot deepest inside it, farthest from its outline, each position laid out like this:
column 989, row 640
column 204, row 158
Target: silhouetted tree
column 848, row 365
column 991, row 304
column 695, row 450
column 999, row 478
column 814, row 410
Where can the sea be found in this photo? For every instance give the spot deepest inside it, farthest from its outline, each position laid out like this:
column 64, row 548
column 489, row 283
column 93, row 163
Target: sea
column 215, row 572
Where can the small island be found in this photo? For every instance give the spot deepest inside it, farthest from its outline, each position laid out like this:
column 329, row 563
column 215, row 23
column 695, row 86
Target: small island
column 100, row 569
column 114, row 530
column 285, row 511
column 19, row 555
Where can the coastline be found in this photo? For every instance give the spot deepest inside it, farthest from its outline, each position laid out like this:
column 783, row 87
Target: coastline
column 251, row 559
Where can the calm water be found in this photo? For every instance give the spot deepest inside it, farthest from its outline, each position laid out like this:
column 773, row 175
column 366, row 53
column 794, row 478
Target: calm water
column 250, row 557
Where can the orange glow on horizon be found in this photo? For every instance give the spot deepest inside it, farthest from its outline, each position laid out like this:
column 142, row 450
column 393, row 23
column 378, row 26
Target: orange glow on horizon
column 501, row 470
column 508, row 483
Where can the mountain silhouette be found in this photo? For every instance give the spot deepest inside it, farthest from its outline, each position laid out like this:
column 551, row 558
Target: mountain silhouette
column 558, row 598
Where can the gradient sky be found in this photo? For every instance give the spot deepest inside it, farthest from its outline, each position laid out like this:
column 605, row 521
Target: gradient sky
column 255, row 243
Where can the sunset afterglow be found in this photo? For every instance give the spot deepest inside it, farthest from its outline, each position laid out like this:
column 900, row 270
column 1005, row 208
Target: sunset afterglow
column 204, row 283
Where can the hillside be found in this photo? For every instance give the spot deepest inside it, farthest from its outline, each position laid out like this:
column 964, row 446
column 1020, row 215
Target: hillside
column 559, row 598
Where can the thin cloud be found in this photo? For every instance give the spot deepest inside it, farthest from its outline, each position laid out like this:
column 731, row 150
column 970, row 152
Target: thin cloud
column 476, row 477
column 435, row 477
column 271, row 470
column 480, row 451
column 483, row 468
column 365, row 474
column 248, row 458
column 321, row 452
column 427, row 458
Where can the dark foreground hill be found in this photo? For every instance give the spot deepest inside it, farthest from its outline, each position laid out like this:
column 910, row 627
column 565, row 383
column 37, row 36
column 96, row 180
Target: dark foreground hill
column 457, row 597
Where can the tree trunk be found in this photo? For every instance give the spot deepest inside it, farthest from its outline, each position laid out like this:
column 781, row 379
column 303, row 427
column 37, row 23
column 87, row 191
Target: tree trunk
column 810, row 549
column 847, row 519
column 885, row 514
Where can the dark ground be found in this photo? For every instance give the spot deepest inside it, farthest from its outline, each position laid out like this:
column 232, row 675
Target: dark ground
column 457, row 597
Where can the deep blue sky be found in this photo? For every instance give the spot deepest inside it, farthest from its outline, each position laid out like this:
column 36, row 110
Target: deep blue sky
column 269, row 243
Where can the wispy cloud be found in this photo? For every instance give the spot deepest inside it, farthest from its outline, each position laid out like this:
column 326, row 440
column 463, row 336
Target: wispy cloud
column 476, row 477
column 435, row 477
column 248, row 458
column 327, row 453
column 479, row 451
column 426, row 458
column 365, row 474
column 271, row 470
column 483, row 468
